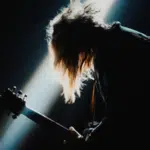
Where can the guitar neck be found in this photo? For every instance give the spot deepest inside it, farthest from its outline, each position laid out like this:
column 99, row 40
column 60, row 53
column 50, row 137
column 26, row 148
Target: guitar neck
column 12, row 100
column 44, row 121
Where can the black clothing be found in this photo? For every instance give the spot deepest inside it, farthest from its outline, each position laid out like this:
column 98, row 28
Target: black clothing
column 125, row 64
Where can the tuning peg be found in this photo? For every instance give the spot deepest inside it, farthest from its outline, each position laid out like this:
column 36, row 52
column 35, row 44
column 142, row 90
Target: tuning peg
column 20, row 92
column 14, row 89
column 24, row 97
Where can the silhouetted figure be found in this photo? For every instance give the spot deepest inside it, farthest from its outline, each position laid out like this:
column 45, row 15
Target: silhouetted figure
column 80, row 45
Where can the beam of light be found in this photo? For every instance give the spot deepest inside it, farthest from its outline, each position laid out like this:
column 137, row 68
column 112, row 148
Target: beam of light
column 42, row 90
column 104, row 6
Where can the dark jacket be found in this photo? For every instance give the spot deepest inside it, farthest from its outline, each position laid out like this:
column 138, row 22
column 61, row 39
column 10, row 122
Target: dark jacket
column 125, row 64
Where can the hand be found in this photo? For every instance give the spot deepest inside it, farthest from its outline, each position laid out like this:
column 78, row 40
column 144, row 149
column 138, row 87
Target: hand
column 87, row 133
column 74, row 131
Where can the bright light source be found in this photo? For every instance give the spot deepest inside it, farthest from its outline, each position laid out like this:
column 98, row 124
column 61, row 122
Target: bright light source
column 104, row 6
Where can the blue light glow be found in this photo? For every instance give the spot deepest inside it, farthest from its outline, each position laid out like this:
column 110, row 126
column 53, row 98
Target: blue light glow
column 42, row 90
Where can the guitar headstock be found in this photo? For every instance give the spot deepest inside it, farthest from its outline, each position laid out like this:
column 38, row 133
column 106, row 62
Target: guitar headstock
column 13, row 101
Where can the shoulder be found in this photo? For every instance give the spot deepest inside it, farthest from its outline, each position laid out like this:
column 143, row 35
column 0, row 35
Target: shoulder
column 130, row 34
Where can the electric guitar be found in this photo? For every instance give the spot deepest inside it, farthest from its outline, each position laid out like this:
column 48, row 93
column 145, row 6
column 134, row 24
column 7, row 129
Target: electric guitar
column 14, row 101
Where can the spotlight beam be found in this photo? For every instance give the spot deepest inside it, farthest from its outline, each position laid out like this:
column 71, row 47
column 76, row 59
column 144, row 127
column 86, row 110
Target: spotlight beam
column 42, row 91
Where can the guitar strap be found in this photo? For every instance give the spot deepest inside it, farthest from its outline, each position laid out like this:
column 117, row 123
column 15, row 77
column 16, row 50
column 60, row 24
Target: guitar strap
column 93, row 102
column 97, row 86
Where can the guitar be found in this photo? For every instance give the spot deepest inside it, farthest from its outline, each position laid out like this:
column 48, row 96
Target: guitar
column 14, row 101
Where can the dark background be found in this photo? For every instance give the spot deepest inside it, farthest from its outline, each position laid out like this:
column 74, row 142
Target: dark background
column 23, row 46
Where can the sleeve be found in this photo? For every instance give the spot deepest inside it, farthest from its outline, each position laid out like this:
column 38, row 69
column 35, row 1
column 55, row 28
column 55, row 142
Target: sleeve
column 135, row 33
column 134, row 38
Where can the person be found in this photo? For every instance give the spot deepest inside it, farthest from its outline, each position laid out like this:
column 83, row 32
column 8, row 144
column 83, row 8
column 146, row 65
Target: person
column 81, row 45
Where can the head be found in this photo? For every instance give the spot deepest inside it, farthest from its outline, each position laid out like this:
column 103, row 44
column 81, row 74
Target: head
column 72, row 39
